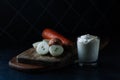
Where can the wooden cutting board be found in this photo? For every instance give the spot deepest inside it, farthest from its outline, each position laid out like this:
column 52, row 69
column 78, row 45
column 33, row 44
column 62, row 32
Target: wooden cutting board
column 21, row 66
column 13, row 63
column 28, row 67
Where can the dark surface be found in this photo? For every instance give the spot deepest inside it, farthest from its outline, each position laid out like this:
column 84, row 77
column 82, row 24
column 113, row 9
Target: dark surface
column 108, row 68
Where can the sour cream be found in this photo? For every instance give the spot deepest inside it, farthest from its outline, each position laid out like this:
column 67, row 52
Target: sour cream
column 88, row 48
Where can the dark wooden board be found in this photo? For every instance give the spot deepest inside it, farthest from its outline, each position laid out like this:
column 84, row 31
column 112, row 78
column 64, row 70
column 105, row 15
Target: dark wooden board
column 28, row 67
column 30, row 56
column 21, row 66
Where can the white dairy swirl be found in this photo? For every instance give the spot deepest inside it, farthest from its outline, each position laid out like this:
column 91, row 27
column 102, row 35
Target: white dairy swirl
column 86, row 38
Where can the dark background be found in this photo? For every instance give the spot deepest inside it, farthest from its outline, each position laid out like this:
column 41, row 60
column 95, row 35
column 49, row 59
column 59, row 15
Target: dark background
column 22, row 21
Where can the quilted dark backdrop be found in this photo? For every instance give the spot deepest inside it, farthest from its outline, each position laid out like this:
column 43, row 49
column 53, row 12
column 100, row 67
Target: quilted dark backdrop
column 22, row 21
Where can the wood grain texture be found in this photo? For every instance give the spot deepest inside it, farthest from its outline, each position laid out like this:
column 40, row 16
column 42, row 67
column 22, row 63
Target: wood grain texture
column 28, row 56
column 21, row 66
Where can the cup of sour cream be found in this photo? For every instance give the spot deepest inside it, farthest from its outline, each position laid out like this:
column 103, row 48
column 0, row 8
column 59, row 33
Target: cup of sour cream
column 88, row 49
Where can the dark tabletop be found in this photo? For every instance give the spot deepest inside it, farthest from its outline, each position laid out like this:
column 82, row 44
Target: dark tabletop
column 108, row 68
